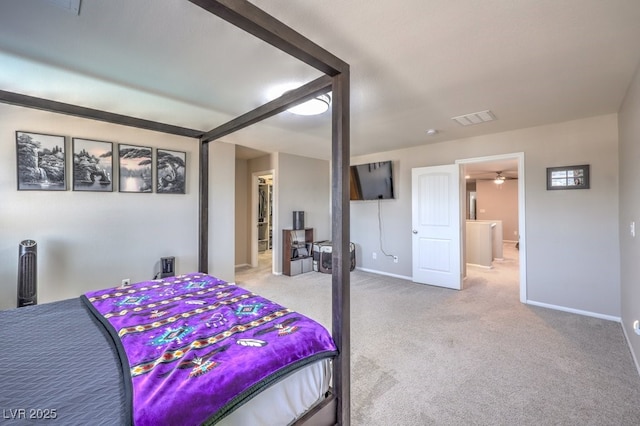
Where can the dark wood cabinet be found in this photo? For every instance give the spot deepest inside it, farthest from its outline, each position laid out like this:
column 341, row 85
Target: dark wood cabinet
column 296, row 251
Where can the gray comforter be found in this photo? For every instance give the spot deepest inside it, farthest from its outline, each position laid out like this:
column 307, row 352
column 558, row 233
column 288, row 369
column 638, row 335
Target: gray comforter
column 57, row 366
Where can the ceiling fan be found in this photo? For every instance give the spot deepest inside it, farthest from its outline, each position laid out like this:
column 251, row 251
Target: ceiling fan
column 499, row 178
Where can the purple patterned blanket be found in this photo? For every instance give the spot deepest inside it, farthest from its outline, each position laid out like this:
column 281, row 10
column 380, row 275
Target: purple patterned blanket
column 196, row 347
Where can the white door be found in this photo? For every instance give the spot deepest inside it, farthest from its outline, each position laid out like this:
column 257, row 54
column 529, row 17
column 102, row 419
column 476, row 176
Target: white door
column 436, row 226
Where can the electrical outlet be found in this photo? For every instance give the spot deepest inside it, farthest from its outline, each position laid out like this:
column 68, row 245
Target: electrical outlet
column 374, row 255
column 395, row 259
column 126, row 282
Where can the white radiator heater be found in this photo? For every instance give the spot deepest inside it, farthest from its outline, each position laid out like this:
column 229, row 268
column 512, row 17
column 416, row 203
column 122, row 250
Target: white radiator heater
column 27, row 273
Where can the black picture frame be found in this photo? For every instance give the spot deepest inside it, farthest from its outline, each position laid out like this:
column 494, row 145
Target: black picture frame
column 568, row 177
column 92, row 165
column 171, row 171
column 41, row 162
column 135, row 167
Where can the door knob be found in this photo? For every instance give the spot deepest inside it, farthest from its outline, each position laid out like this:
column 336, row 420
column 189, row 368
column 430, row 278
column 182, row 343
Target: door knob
column 415, row 231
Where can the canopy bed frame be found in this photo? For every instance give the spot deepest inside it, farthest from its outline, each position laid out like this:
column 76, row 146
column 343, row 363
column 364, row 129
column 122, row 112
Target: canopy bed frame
column 336, row 78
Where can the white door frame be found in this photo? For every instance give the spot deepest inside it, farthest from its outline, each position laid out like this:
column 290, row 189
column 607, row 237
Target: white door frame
column 254, row 218
column 522, row 252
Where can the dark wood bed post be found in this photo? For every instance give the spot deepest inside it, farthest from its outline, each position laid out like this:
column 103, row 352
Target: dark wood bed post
column 203, row 200
column 341, row 258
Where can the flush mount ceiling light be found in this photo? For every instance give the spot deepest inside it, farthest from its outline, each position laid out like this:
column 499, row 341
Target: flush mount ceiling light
column 474, row 118
column 432, row 132
column 314, row 106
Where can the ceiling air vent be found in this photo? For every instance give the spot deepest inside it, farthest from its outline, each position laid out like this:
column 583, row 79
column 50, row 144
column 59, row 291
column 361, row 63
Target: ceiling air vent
column 474, row 118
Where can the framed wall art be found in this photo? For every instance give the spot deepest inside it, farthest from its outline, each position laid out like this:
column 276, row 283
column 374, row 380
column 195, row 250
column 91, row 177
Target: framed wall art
column 92, row 165
column 41, row 162
column 568, row 177
column 171, row 170
column 135, row 167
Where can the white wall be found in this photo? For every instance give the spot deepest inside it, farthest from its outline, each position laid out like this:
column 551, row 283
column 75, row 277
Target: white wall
column 572, row 236
column 383, row 226
column 499, row 203
column 302, row 184
column 222, row 174
column 629, row 128
column 242, row 210
column 261, row 164
column 91, row 240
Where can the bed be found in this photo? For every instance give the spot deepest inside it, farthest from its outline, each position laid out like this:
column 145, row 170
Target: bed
column 189, row 350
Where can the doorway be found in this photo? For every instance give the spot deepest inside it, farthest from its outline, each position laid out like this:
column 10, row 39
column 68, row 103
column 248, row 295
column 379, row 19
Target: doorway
column 436, row 217
column 263, row 219
column 489, row 170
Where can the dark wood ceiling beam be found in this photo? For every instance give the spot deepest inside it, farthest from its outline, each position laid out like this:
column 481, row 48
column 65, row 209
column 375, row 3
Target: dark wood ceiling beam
column 293, row 97
column 94, row 114
column 255, row 21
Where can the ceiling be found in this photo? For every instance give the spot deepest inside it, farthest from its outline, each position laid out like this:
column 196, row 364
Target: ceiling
column 414, row 64
column 488, row 170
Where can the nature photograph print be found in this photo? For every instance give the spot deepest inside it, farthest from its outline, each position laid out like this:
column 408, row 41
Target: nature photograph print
column 41, row 162
column 171, row 169
column 135, row 168
column 92, row 165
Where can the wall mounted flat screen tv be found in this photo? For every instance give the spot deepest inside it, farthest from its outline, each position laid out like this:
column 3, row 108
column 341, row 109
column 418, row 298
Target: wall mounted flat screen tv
column 372, row 181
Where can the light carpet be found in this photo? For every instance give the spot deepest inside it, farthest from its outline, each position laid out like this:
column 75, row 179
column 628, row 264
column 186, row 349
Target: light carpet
column 423, row 355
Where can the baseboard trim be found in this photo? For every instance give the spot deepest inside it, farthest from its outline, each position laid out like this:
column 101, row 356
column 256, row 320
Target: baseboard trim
column 477, row 265
column 573, row 311
column 242, row 265
column 373, row 271
column 633, row 355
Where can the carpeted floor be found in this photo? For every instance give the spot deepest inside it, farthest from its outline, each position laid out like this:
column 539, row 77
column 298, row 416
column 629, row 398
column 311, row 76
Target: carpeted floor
column 424, row 355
